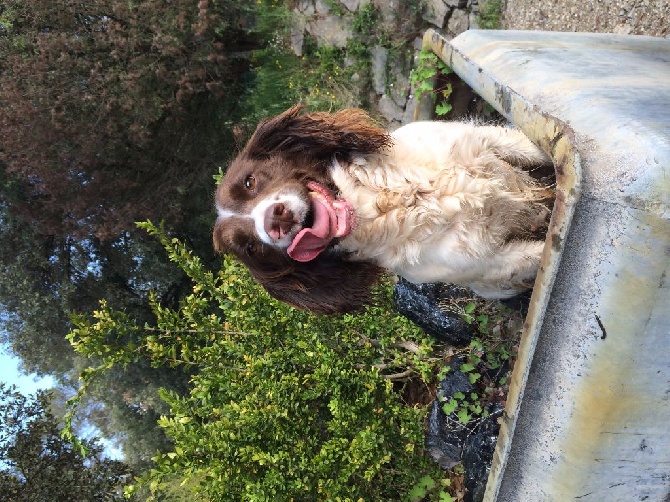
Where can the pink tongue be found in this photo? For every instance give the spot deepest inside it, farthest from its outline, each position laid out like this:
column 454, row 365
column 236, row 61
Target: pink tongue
column 332, row 218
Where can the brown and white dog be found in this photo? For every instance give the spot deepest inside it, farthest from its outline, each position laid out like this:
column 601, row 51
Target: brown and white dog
column 318, row 205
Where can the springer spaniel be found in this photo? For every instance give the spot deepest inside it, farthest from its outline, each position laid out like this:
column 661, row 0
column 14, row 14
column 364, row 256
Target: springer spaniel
column 318, row 205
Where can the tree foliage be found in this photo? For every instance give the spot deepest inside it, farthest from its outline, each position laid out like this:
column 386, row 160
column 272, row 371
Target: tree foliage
column 111, row 112
column 43, row 280
column 283, row 405
column 120, row 103
column 37, row 464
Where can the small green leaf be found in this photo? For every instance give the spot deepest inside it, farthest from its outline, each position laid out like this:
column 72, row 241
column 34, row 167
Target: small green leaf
column 443, row 67
column 445, row 497
column 443, row 109
column 463, row 416
column 443, row 372
column 477, row 344
column 427, row 482
column 417, row 493
column 425, row 86
column 467, row 367
column 450, row 406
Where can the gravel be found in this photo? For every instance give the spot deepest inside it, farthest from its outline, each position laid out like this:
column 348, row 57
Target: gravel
column 628, row 17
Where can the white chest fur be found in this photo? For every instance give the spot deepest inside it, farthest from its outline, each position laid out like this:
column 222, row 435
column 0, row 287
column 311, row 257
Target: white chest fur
column 440, row 205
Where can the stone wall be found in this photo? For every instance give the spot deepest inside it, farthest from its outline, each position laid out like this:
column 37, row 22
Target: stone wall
column 329, row 22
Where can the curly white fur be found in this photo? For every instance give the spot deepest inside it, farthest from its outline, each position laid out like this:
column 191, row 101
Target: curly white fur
column 441, row 205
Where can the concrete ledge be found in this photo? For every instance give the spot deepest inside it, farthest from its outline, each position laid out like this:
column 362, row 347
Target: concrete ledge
column 589, row 405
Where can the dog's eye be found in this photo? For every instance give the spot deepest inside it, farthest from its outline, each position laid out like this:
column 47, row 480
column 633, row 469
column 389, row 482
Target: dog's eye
column 251, row 249
column 250, row 183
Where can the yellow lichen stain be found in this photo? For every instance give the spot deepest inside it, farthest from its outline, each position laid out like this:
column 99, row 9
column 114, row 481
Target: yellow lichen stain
column 617, row 399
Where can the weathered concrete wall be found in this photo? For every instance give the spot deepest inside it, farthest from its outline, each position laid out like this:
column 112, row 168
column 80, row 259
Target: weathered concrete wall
column 588, row 409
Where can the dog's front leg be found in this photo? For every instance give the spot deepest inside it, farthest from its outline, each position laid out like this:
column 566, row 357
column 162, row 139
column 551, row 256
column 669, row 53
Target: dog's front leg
column 511, row 270
column 512, row 146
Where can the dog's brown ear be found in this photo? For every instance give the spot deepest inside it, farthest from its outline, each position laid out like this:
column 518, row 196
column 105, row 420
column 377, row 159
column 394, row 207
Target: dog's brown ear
column 318, row 135
column 324, row 286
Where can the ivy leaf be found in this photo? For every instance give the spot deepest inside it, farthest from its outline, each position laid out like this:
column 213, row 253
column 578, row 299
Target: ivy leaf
column 476, row 409
column 443, row 109
column 449, row 407
column 421, row 489
column 470, row 308
column 463, row 416
column 425, row 86
column 467, row 367
column 445, row 497
column 427, row 482
column 443, row 67
column 473, row 377
column 417, row 493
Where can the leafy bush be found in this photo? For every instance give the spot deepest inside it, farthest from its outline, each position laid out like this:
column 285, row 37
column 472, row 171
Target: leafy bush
column 490, row 14
column 283, row 405
column 425, row 80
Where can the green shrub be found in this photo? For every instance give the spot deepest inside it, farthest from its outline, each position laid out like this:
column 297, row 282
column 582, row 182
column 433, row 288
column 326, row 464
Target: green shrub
column 425, row 80
column 490, row 14
column 283, row 405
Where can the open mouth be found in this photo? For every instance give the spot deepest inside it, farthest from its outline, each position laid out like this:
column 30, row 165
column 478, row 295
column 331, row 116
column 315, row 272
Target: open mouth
column 308, row 222
column 329, row 218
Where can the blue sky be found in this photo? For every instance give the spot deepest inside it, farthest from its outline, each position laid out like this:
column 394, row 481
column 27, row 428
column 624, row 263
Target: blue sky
column 11, row 375
column 29, row 384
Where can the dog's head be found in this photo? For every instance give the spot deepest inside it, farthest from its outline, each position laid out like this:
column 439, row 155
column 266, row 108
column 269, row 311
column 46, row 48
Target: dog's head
column 278, row 213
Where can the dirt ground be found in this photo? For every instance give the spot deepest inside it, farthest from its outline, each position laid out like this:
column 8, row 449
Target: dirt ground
column 630, row 17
